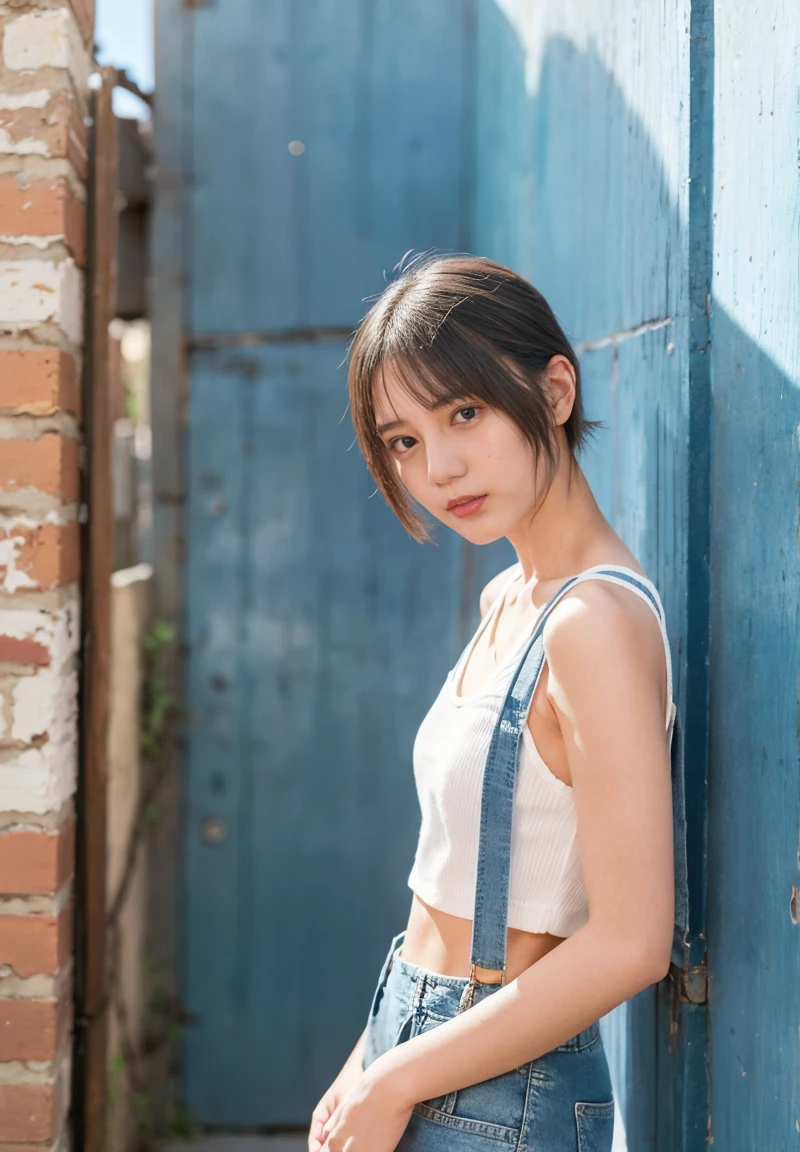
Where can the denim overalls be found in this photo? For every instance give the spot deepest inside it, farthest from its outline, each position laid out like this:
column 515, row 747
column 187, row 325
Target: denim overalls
column 561, row 1101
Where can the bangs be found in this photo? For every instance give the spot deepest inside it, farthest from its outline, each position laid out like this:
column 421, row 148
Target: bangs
column 456, row 365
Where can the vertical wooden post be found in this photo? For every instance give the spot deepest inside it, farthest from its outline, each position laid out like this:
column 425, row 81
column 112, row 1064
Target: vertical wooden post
column 165, row 304
column 91, row 963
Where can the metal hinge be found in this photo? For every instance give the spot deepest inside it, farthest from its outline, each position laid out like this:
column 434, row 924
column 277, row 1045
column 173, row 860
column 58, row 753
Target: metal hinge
column 691, row 983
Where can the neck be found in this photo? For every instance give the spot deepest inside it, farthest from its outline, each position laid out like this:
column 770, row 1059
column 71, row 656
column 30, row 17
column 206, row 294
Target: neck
column 562, row 536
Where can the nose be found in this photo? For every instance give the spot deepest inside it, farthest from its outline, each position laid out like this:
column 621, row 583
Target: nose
column 444, row 462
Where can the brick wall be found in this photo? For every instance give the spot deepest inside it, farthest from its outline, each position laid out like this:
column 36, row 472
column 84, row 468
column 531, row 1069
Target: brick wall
column 45, row 61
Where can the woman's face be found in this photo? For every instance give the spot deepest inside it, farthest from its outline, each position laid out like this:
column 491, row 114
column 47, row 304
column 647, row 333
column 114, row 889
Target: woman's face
column 463, row 449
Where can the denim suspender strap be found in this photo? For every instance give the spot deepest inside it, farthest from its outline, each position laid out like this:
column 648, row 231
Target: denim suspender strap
column 488, row 955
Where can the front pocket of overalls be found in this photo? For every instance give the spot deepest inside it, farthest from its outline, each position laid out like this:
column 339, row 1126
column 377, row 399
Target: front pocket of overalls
column 595, row 1125
column 492, row 1108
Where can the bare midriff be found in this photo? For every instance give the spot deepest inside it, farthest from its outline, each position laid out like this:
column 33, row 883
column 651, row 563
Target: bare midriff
column 442, row 943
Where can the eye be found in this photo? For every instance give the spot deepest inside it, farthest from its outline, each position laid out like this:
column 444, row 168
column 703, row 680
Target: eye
column 399, row 441
column 471, row 410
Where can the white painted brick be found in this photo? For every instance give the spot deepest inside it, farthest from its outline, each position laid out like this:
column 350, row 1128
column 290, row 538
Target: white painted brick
column 12, row 578
column 57, row 630
column 12, row 540
column 15, row 100
column 45, row 704
column 47, row 39
column 30, row 146
column 38, row 779
column 38, row 292
column 41, row 242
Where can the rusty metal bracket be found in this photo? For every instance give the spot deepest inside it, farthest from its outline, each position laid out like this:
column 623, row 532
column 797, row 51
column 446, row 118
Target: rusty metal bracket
column 691, row 983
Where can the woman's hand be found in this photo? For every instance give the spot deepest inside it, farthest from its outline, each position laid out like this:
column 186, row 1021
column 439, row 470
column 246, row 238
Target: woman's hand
column 370, row 1118
column 326, row 1108
column 349, row 1075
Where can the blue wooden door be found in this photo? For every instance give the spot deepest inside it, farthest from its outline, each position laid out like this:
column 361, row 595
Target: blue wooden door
column 327, row 138
column 575, row 192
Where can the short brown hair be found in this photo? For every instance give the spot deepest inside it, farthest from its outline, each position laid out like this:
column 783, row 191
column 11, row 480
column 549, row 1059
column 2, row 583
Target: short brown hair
column 456, row 326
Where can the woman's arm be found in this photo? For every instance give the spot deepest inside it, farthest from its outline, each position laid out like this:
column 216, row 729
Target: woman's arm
column 606, row 683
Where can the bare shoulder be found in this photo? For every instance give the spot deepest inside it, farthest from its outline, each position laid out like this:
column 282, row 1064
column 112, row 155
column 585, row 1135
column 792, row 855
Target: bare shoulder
column 601, row 601
column 599, row 624
column 492, row 589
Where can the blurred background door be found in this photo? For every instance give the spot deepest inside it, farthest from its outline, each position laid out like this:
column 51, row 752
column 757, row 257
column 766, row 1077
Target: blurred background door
column 326, row 139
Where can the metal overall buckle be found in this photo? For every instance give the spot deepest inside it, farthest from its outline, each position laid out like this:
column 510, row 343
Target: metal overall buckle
column 487, row 976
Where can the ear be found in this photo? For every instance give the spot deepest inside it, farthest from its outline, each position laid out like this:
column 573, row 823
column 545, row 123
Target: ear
column 559, row 379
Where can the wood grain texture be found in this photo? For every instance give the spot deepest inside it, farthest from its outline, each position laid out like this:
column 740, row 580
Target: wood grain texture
column 318, row 635
column 754, row 863
column 584, row 148
column 378, row 100
column 91, row 1053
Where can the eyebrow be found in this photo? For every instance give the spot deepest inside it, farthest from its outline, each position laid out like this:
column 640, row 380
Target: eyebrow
column 381, row 428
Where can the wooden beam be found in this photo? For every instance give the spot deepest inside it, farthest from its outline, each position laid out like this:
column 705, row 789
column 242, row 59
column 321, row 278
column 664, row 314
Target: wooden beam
column 90, row 990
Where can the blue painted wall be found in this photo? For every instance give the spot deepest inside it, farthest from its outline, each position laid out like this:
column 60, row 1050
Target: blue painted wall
column 638, row 163
column 285, row 240
column 754, row 783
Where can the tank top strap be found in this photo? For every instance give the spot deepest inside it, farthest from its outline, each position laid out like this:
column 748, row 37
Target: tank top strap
column 645, row 590
column 490, row 916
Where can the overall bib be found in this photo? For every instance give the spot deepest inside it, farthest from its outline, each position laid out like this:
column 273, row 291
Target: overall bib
column 561, row 1101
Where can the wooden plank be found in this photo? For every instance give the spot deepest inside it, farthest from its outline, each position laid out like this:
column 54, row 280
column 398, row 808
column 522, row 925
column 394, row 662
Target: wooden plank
column 165, row 308
column 585, row 147
column 313, row 658
column 583, row 183
column 166, row 303
column 282, row 240
column 91, row 1053
column 754, row 873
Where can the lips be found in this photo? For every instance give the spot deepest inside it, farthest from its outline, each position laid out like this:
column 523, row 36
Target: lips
column 460, row 500
column 465, row 505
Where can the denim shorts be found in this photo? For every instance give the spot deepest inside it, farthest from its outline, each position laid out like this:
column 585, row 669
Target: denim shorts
column 559, row 1102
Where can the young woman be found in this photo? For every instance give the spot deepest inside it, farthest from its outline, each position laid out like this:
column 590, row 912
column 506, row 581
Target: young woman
column 483, row 1031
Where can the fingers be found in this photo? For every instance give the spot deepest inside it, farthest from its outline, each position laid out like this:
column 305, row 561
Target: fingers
column 330, row 1123
column 316, row 1136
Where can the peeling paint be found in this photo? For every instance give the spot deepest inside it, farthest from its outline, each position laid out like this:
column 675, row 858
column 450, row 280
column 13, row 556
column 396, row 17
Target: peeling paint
column 41, row 242
column 39, row 779
column 29, row 146
column 37, row 291
column 12, row 101
column 12, row 577
column 46, row 703
column 47, row 39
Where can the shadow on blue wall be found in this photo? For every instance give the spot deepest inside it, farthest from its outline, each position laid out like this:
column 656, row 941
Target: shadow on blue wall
column 573, row 193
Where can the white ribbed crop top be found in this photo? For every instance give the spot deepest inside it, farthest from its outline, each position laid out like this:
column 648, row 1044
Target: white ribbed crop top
column 546, row 889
